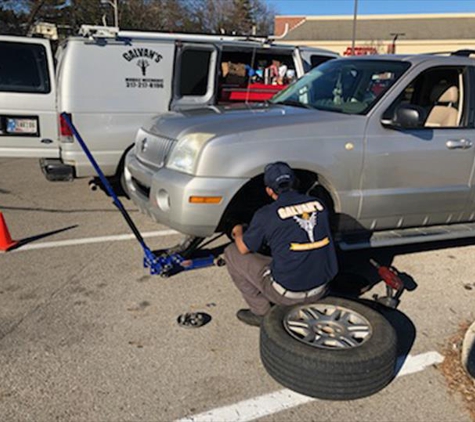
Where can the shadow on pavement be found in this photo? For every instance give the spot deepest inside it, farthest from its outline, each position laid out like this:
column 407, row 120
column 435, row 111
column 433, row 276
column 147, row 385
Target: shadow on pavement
column 405, row 330
column 59, row 211
column 31, row 239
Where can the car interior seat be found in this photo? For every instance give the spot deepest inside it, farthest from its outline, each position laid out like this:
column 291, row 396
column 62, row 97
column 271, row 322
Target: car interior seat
column 444, row 113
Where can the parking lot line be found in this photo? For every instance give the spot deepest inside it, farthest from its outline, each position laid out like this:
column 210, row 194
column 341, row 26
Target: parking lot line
column 420, row 362
column 88, row 240
column 268, row 404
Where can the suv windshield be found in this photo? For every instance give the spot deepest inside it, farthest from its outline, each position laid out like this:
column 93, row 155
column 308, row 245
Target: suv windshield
column 348, row 86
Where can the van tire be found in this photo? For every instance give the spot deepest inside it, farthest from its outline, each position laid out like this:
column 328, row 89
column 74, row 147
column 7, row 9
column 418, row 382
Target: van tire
column 325, row 373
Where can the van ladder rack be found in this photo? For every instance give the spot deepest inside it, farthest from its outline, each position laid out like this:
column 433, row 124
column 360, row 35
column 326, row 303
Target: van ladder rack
column 96, row 31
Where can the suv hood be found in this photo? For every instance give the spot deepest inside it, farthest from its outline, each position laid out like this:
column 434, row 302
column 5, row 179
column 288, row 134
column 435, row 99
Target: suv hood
column 221, row 121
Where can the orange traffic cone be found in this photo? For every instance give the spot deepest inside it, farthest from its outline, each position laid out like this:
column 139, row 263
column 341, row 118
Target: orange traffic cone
column 6, row 241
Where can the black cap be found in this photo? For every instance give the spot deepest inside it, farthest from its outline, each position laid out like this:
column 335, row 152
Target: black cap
column 279, row 177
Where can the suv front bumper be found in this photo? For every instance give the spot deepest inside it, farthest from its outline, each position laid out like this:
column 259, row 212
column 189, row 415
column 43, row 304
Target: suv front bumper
column 164, row 195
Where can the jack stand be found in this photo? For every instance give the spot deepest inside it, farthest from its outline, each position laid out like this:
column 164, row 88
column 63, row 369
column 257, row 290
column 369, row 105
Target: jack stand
column 391, row 300
column 394, row 286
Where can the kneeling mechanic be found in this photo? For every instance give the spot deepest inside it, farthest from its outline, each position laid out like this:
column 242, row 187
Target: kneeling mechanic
column 303, row 259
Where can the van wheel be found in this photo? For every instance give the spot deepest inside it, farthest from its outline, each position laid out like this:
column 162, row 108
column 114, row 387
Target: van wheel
column 334, row 349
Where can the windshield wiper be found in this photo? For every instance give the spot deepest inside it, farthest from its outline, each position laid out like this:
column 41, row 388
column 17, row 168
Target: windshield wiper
column 294, row 103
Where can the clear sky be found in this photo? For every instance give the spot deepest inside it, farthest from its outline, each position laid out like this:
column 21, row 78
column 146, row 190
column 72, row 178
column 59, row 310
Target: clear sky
column 366, row 7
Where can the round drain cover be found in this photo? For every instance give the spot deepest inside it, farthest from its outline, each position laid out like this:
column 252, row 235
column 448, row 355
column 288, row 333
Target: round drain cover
column 193, row 319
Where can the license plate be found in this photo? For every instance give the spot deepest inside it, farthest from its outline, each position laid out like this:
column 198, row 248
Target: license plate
column 22, row 125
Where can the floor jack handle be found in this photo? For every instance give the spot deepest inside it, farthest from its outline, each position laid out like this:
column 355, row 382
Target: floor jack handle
column 162, row 265
column 105, row 182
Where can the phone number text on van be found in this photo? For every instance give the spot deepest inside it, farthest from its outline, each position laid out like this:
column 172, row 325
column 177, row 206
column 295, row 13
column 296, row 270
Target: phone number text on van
column 143, row 83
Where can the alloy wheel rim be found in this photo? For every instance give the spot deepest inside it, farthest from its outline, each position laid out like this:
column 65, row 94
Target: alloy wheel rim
column 327, row 326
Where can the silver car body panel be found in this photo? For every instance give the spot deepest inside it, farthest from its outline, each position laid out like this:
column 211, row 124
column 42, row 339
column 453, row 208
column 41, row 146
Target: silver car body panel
column 411, row 178
column 169, row 204
column 268, row 132
column 382, row 178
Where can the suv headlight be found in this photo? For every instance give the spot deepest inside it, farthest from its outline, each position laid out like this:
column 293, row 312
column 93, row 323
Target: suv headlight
column 185, row 153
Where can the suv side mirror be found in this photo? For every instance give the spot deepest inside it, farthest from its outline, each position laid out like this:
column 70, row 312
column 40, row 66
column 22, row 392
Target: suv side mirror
column 406, row 116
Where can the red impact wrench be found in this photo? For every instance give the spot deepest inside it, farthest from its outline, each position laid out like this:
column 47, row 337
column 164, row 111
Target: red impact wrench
column 393, row 283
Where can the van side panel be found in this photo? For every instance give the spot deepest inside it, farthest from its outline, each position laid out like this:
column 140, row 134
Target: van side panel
column 111, row 88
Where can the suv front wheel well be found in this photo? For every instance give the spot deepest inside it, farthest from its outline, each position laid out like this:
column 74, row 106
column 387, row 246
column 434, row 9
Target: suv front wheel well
column 252, row 196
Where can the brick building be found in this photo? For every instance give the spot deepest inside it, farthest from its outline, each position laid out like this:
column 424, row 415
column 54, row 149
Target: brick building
column 375, row 33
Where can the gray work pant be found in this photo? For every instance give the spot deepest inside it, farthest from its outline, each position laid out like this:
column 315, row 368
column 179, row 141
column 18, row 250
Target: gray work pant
column 248, row 274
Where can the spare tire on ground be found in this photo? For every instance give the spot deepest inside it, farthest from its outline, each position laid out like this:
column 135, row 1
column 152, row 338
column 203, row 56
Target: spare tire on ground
column 335, row 349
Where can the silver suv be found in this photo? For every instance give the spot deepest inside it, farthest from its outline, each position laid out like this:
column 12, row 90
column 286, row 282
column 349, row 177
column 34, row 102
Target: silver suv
column 386, row 141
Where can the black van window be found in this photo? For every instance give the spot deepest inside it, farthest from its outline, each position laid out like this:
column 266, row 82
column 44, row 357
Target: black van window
column 23, row 68
column 194, row 72
column 318, row 60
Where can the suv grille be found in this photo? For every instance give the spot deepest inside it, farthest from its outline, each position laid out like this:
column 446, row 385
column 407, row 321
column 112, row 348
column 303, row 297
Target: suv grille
column 164, row 149
column 154, row 150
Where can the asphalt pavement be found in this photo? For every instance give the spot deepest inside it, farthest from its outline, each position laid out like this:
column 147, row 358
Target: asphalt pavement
column 86, row 334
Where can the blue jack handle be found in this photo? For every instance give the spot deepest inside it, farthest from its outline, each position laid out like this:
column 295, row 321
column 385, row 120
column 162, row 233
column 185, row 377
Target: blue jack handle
column 158, row 265
column 148, row 253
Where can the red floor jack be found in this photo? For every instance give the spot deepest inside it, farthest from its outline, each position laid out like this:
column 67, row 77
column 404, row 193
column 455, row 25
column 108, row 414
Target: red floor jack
column 394, row 285
column 165, row 264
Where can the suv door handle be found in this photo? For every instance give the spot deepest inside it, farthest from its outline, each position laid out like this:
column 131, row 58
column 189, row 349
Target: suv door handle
column 459, row 144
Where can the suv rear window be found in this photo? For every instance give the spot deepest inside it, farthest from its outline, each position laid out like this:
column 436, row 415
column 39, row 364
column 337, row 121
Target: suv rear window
column 23, row 68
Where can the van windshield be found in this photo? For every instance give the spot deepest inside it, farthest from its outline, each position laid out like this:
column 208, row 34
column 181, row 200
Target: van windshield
column 349, row 86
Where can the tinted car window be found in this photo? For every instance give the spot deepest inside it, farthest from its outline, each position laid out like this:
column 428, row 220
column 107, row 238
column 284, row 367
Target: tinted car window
column 194, row 72
column 23, row 68
column 318, row 60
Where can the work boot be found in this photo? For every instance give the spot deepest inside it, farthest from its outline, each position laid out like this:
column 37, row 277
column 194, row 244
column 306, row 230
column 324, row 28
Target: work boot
column 249, row 318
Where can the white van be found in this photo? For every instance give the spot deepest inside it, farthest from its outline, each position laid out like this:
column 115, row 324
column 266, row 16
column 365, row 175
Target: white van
column 110, row 82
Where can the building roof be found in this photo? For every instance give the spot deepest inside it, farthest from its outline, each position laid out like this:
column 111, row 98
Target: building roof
column 380, row 27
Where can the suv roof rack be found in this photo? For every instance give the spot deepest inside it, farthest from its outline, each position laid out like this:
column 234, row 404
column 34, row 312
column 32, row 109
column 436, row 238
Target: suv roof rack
column 463, row 53
column 460, row 53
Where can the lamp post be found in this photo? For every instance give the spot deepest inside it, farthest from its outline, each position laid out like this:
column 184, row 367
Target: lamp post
column 355, row 13
column 395, row 36
column 113, row 3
